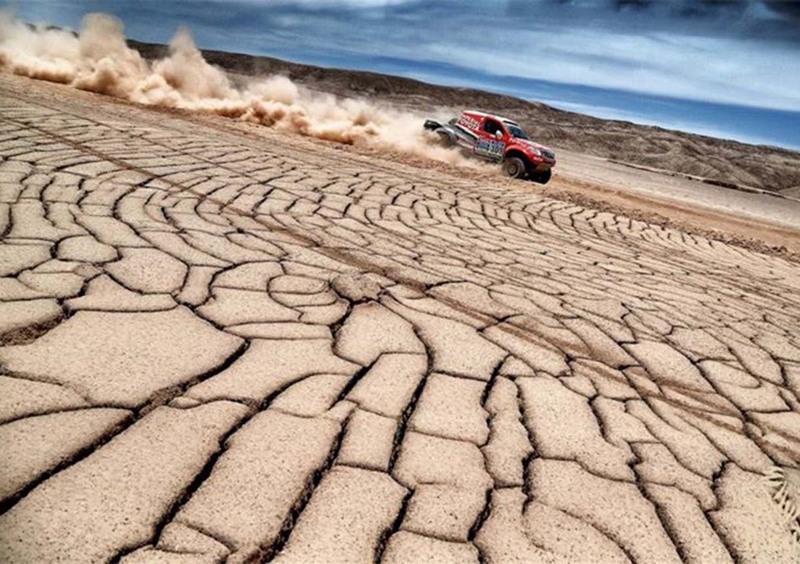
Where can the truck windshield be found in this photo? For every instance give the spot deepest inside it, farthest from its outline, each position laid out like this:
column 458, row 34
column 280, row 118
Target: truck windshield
column 516, row 132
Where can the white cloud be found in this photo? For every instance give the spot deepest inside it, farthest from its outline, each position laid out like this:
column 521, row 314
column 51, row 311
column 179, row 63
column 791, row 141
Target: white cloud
column 334, row 3
column 748, row 72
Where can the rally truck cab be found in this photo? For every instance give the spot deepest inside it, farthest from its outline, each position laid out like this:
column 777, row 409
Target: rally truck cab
column 497, row 139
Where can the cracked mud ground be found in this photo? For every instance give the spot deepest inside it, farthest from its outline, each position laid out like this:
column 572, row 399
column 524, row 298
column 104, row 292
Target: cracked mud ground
column 223, row 344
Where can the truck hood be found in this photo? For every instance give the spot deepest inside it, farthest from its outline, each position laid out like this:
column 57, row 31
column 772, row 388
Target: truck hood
column 529, row 143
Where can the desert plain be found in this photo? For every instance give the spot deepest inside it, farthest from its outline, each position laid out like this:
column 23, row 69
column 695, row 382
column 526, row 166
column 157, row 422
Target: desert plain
column 227, row 343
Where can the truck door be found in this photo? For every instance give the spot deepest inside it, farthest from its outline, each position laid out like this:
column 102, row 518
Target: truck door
column 492, row 141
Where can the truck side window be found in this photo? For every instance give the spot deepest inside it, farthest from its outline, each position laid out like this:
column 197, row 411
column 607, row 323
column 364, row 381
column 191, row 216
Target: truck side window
column 491, row 127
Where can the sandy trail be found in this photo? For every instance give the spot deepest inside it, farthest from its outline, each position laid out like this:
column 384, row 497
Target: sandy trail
column 234, row 342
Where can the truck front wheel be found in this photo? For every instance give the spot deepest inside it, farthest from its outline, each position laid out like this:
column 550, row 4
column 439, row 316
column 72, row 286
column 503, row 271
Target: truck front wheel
column 514, row 167
column 542, row 177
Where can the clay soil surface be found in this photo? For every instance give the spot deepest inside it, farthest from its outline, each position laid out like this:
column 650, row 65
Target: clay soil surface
column 220, row 342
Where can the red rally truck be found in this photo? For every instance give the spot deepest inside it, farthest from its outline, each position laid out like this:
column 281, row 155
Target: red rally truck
column 497, row 139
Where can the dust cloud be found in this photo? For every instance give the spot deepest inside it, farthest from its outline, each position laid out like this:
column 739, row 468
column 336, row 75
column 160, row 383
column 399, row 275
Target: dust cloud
column 98, row 59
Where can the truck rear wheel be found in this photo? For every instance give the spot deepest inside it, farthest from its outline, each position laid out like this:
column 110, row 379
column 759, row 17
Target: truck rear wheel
column 445, row 137
column 514, row 167
column 542, row 177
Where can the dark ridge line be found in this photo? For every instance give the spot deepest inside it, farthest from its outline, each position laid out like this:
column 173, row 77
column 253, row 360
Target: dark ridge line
column 51, row 382
column 600, row 531
column 323, row 415
column 644, row 394
column 601, row 424
column 361, row 407
column 485, row 512
column 69, row 312
column 487, row 390
column 527, row 461
column 427, row 535
column 196, row 403
column 682, row 409
column 639, row 461
column 448, row 438
column 519, row 419
column 726, row 542
column 702, row 414
column 56, row 411
column 383, row 540
column 266, row 403
column 665, row 445
column 508, row 487
column 124, row 286
column 116, row 559
column 355, row 379
column 188, row 268
column 76, row 457
column 73, row 311
column 662, row 515
column 195, row 309
column 405, row 416
column 481, row 518
column 30, row 299
column 361, row 468
column 221, row 270
column 267, row 554
column 9, row 226
column 586, row 469
column 28, row 334
column 254, row 247
column 458, row 376
column 759, row 442
column 165, row 395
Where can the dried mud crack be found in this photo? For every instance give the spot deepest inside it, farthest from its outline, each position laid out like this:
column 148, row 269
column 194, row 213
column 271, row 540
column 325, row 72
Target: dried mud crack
column 220, row 345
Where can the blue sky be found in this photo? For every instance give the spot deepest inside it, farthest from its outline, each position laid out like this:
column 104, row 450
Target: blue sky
column 728, row 68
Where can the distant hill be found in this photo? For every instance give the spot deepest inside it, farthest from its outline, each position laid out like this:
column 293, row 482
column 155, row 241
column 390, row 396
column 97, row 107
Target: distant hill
column 723, row 162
